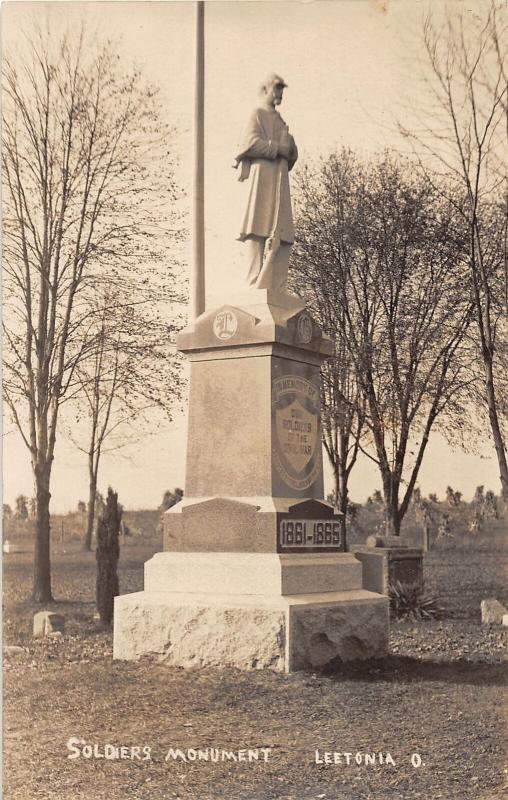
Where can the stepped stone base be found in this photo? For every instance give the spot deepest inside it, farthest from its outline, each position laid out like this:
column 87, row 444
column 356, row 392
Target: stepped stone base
column 250, row 631
column 264, row 574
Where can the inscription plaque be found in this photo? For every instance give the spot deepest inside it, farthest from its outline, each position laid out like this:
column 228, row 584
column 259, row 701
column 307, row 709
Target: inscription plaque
column 296, row 451
column 309, row 533
column 298, row 534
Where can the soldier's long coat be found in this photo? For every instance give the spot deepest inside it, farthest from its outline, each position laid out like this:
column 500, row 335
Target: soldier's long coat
column 269, row 202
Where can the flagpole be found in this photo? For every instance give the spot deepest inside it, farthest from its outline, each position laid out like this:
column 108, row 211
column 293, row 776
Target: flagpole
column 197, row 289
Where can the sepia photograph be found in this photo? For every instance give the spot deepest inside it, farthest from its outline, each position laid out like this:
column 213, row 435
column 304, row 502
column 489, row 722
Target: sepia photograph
column 255, row 415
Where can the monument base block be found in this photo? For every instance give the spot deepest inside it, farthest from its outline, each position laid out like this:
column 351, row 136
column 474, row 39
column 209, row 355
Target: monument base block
column 266, row 574
column 251, row 611
column 284, row 634
column 253, row 573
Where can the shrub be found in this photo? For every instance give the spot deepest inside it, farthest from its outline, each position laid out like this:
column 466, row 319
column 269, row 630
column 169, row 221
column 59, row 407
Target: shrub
column 453, row 498
column 409, row 601
column 108, row 551
column 22, row 507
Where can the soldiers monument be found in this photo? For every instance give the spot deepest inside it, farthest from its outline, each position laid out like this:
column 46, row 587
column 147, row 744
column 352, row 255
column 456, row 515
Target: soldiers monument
column 253, row 573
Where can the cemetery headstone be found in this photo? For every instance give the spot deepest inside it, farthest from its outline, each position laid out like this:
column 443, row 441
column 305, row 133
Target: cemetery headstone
column 48, row 622
column 492, row 611
column 388, row 560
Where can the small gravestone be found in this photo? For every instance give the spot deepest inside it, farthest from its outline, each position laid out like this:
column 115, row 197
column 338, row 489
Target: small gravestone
column 387, row 560
column 492, row 612
column 10, row 547
column 48, row 622
column 505, row 620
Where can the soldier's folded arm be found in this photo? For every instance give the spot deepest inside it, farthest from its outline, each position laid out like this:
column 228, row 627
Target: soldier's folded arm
column 262, row 148
column 255, row 145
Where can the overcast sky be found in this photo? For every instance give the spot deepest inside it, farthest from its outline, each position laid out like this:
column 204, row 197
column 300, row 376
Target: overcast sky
column 352, row 69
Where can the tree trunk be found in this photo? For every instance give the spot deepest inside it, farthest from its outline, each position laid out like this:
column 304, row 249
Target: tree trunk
column 343, row 492
column 392, row 523
column 341, row 477
column 494, row 425
column 90, row 513
column 343, row 504
column 343, row 473
column 485, row 330
column 41, row 592
column 393, row 517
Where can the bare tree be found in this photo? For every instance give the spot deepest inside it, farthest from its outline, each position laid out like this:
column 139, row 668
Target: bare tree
column 132, row 372
column 343, row 415
column 378, row 254
column 81, row 205
column 463, row 133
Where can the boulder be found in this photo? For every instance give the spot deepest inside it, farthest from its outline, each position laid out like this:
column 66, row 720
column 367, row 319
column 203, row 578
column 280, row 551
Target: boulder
column 48, row 622
column 492, row 611
column 13, row 650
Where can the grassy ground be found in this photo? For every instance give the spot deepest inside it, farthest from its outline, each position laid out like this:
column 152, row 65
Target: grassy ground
column 440, row 693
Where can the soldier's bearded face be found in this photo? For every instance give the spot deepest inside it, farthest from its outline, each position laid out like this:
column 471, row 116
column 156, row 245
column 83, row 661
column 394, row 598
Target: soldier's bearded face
column 274, row 93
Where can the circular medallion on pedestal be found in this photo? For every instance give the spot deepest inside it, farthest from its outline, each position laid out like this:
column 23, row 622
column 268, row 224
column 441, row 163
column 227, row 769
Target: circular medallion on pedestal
column 304, row 328
column 225, row 324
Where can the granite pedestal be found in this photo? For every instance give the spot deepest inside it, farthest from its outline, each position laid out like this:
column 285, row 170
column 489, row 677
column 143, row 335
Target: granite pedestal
column 253, row 573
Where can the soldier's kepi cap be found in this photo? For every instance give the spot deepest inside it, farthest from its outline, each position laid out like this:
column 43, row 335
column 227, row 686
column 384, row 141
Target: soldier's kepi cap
column 274, row 78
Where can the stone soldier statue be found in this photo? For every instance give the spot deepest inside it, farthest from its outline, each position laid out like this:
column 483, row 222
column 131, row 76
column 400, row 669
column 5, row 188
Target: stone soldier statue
column 267, row 153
